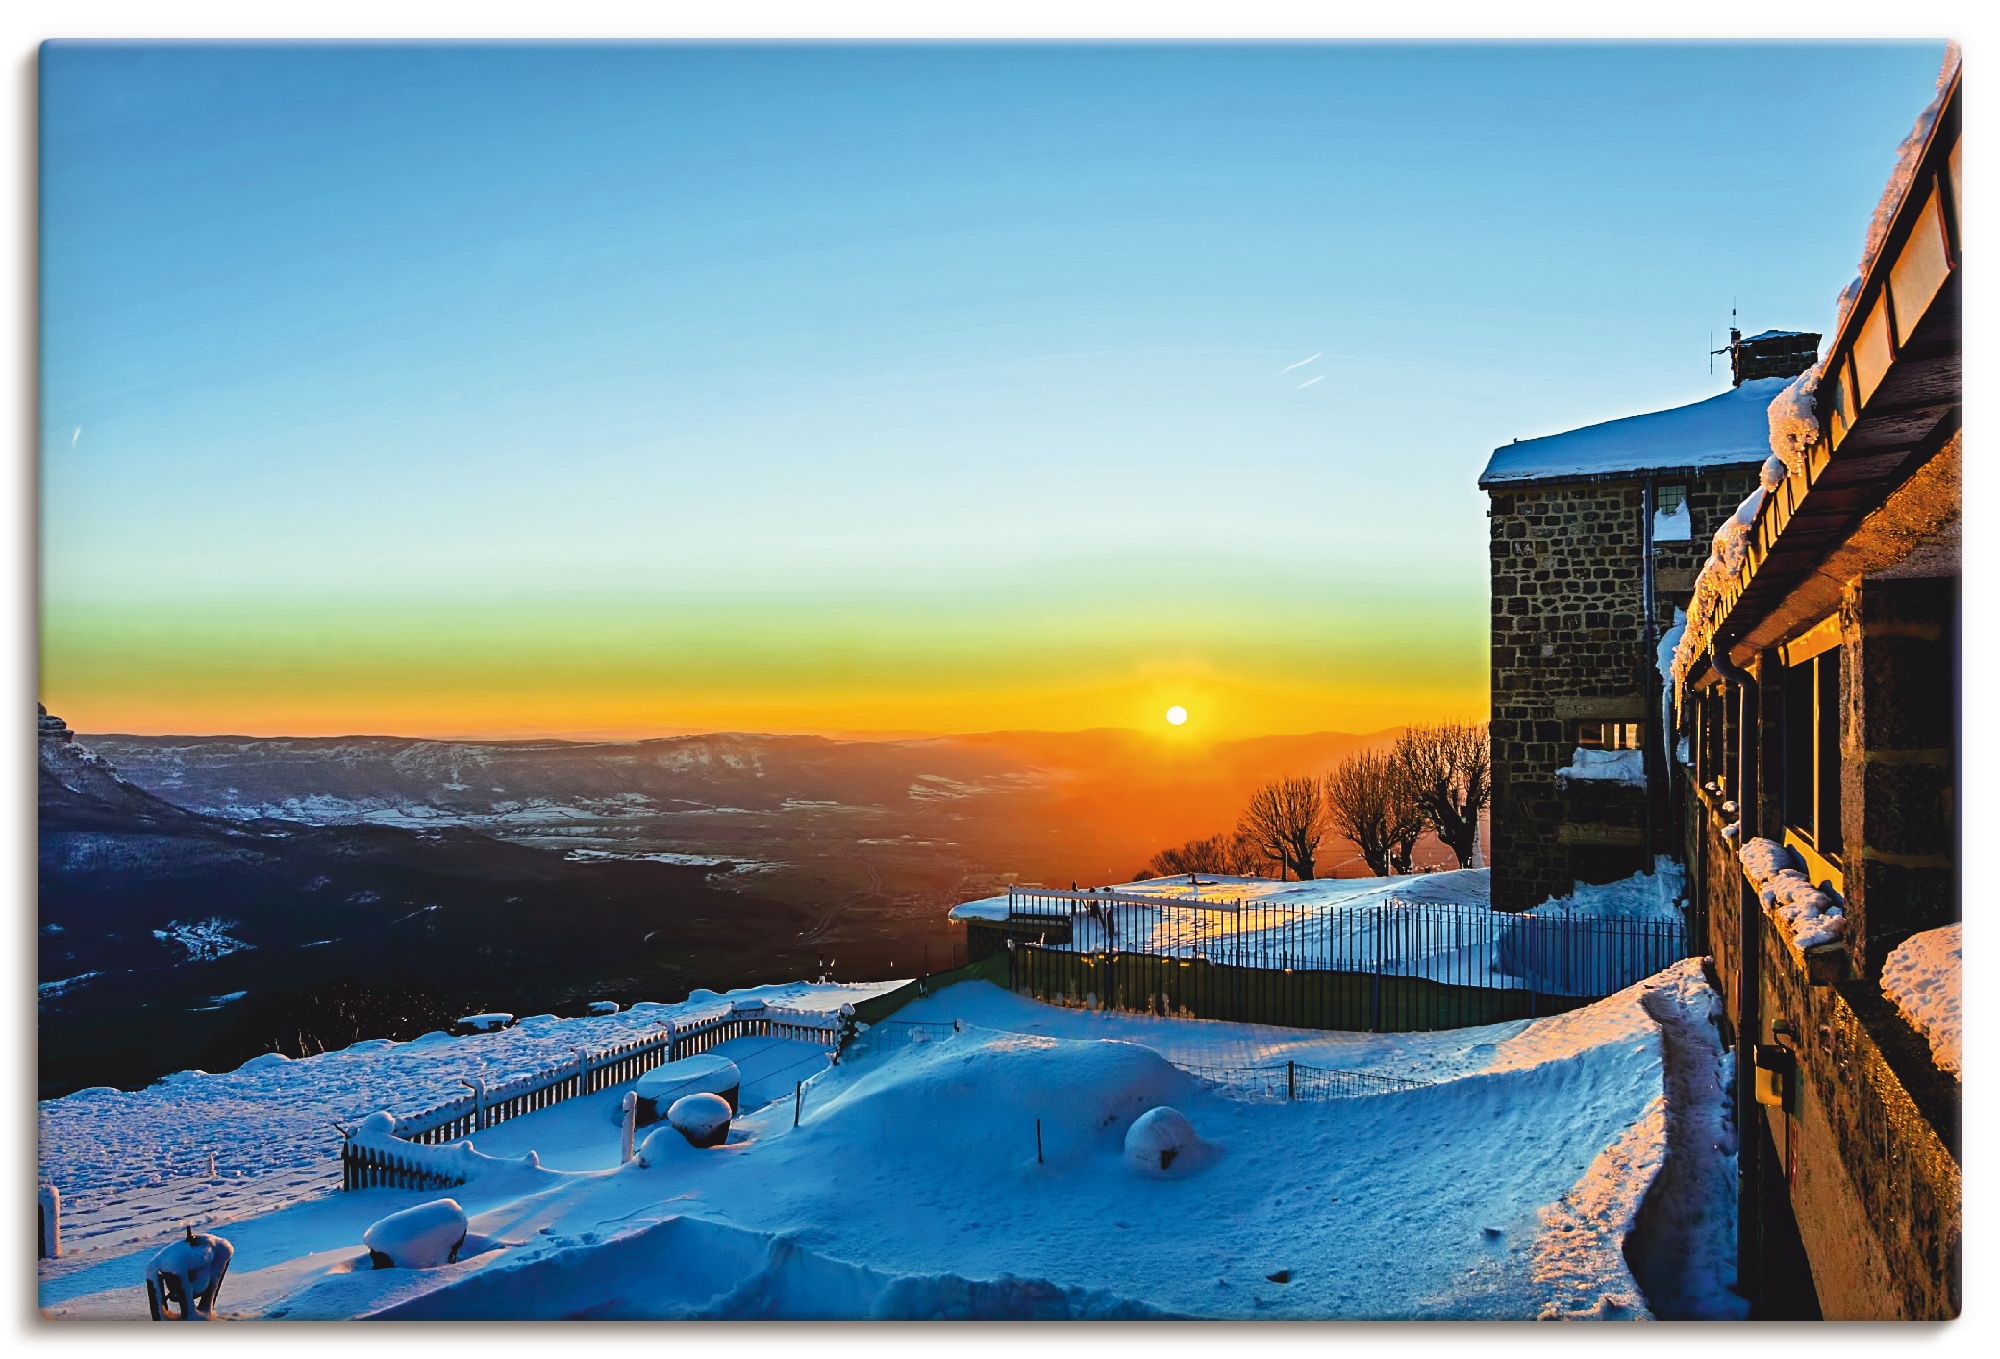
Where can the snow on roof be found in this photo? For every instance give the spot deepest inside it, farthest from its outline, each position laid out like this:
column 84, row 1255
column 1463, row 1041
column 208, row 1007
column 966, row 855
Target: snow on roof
column 1719, row 432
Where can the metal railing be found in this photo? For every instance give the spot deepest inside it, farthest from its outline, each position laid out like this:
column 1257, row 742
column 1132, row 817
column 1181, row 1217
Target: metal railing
column 1383, row 965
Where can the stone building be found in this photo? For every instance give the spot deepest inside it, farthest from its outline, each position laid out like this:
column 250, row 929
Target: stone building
column 1596, row 535
column 1819, row 691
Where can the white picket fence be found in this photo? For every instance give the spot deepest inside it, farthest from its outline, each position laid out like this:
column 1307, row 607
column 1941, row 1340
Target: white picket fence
column 481, row 1108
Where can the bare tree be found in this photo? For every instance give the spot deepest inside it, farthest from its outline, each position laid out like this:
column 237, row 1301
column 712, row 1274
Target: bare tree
column 1285, row 821
column 1227, row 853
column 1371, row 802
column 1449, row 771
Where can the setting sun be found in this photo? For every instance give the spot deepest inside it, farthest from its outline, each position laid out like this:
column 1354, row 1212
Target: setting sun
column 1177, row 714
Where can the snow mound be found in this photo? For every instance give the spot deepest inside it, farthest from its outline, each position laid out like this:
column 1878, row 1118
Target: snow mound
column 1921, row 978
column 702, row 1119
column 1162, row 1143
column 1606, row 766
column 687, row 1269
column 422, row 1237
column 1643, row 896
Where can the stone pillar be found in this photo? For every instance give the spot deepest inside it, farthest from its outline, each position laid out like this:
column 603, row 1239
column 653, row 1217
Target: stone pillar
column 1898, row 762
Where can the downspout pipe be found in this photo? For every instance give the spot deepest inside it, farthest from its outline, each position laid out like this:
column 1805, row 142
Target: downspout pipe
column 1750, row 919
column 1656, row 765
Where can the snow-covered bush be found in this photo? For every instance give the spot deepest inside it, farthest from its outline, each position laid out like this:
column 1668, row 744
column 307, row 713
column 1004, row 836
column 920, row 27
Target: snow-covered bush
column 1161, row 1143
column 1922, row 978
column 422, row 1237
column 702, row 1119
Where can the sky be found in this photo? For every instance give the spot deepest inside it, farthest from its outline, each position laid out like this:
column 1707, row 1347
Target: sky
column 583, row 390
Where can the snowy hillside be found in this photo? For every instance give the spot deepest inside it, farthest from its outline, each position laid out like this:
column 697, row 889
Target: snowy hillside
column 913, row 1187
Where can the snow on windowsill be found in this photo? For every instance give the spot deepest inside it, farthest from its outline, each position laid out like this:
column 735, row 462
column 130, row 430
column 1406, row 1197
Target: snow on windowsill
column 1606, row 766
column 1921, row 978
column 1811, row 914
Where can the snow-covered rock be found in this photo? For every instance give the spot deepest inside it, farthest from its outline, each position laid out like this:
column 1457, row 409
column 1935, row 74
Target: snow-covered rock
column 702, row 1119
column 422, row 1237
column 1921, row 977
column 1606, row 766
column 1162, row 1144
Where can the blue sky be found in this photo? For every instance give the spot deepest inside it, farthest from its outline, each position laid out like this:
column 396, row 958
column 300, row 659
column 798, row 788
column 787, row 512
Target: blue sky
column 537, row 328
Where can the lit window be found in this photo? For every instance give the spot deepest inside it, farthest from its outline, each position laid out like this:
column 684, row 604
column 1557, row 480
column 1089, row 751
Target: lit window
column 1608, row 735
column 1812, row 751
column 1671, row 522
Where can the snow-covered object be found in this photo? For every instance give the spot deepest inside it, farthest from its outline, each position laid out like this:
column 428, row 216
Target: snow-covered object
column 1813, row 915
column 702, row 1119
column 1921, row 978
column 604, row 1007
column 1606, row 766
column 1773, row 473
column 705, row 1073
column 455, row 1163
column 197, row 1263
column 1762, row 858
column 986, row 908
column 422, row 1237
column 1161, row 1144
column 1663, row 661
column 1794, row 423
column 486, row 1023
column 1723, row 430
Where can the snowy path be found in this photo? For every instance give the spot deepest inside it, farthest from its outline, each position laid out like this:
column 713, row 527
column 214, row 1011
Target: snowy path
column 913, row 1187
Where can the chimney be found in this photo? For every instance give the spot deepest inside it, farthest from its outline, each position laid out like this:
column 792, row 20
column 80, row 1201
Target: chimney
column 1775, row 353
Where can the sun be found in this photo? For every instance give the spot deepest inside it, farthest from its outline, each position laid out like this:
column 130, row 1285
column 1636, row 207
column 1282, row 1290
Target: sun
column 1177, row 714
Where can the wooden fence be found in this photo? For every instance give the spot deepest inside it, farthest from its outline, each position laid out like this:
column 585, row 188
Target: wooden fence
column 481, row 1108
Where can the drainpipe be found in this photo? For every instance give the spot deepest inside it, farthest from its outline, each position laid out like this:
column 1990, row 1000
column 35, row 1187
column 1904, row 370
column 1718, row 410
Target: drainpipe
column 1749, row 949
column 1649, row 608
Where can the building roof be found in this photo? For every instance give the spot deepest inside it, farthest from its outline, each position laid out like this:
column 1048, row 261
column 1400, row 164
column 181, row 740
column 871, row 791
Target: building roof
column 1723, row 431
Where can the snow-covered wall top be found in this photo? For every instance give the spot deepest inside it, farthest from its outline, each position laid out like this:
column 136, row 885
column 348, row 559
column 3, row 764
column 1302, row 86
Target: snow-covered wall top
column 1722, row 431
column 1922, row 978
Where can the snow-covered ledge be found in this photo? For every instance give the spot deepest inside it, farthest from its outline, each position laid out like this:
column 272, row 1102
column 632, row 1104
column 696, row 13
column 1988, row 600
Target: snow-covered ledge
column 1921, row 978
column 1606, row 766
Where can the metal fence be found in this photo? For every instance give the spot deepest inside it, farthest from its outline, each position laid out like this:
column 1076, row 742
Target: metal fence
column 1387, row 965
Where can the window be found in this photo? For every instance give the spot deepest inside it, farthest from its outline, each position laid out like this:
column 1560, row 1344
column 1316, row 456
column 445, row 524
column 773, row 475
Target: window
column 1671, row 521
column 1812, row 751
column 1609, row 735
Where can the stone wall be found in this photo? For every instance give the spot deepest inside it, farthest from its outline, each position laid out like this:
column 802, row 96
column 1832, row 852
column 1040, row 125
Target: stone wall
column 1568, row 645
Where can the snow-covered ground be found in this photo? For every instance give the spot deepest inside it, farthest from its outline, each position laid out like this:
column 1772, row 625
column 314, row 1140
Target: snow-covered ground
column 1921, row 978
column 125, row 1161
column 916, row 1185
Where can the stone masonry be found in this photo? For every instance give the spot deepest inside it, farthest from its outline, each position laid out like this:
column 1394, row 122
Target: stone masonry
column 1568, row 645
